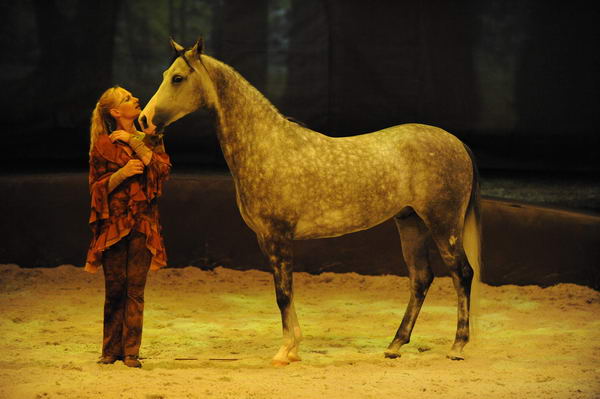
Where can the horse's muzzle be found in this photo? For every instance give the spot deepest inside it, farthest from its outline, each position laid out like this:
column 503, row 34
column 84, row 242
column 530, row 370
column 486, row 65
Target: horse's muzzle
column 144, row 122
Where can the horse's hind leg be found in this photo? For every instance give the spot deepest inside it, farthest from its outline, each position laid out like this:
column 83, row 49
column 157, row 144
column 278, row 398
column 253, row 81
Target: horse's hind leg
column 453, row 254
column 413, row 236
column 279, row 252
column 462, row 277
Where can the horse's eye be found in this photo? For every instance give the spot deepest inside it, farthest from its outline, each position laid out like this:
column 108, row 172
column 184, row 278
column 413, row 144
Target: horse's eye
column 177, row 79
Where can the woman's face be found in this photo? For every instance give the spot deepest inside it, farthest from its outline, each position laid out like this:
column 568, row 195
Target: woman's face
column 128, row 106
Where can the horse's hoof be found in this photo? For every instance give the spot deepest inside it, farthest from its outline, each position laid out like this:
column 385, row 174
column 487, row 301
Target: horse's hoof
column 392, row 354
column 279, row 363
column 455, row 356
column 294, row 358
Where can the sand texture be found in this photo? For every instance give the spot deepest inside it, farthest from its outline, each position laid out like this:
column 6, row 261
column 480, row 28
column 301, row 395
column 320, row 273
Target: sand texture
column 532, row 342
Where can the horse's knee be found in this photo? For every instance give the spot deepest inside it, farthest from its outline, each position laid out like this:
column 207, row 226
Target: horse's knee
column 283, row 300
column 421, row 275
column 420, row 291
column 421, row 284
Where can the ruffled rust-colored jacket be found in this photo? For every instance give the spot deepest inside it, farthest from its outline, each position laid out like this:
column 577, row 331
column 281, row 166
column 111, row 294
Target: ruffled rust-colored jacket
column 132, row 205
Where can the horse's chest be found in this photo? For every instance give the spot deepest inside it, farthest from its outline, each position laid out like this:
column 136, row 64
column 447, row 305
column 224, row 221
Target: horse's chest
column 257, row 205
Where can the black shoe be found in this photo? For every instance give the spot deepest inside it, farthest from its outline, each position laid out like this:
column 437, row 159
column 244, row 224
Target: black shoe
column 108, row 359
column 132, row 361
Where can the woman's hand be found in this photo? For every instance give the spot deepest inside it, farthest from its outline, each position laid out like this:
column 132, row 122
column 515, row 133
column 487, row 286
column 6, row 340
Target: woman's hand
column 120, row 135
column 133, row 167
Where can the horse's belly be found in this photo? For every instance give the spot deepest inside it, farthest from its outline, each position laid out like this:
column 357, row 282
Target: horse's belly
column 334, row 223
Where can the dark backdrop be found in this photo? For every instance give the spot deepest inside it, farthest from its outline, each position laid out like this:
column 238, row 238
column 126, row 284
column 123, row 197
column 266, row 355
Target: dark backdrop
column 516, row 80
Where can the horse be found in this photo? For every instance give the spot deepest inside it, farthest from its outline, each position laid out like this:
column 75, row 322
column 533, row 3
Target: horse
column 293, row 183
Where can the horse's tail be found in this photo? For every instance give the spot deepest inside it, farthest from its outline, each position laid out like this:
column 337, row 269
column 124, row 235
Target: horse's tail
column 472, row 239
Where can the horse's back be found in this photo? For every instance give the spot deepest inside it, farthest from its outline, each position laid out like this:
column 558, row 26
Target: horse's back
column 413, row 151
column 360, row 181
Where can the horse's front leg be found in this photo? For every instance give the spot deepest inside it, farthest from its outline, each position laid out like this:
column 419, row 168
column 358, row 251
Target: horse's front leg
column 278, row 249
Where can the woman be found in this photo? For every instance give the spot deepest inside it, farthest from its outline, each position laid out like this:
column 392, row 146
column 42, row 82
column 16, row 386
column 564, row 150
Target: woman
column 127, row 172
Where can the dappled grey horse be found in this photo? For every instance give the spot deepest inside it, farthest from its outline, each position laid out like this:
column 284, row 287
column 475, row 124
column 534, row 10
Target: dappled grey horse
column 293, row 183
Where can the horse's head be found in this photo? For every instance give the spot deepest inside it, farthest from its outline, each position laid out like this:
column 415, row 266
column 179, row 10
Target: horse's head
column 186, row 86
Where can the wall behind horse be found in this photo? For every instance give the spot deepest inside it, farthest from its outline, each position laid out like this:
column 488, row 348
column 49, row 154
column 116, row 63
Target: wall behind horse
column 517, row 80
column 45, row 224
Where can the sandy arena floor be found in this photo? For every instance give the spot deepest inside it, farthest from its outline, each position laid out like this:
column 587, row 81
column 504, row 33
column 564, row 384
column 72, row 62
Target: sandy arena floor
column 532, row 342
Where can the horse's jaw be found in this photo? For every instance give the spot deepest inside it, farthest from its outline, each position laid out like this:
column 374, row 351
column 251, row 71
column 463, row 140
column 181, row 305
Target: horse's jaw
column 154, row 119
column 147, row 115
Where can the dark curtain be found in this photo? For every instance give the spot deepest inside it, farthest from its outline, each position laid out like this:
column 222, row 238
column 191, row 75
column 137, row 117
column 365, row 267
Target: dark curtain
column 56, row 82
column 516, row 80
column 243, row 35
column 558, row 91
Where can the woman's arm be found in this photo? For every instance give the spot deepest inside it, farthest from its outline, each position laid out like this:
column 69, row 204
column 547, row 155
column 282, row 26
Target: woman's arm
column 153, row 156
column 105, row 174
column 144, row 153
column 133, row 167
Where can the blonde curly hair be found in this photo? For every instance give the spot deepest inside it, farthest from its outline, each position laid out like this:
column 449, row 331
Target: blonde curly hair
column 102, row 121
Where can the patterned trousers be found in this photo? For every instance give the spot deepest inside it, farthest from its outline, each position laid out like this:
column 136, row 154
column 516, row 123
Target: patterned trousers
column 125, row 266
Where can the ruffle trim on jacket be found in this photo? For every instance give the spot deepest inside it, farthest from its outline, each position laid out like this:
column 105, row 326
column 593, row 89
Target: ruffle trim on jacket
column 99, row 200
column 119, row 229
column 157, row 172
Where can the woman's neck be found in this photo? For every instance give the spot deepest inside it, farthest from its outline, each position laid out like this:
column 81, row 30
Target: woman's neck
column 127, row 125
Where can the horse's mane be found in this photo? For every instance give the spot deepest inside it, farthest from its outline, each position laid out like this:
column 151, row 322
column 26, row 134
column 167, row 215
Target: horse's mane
column 224, row 75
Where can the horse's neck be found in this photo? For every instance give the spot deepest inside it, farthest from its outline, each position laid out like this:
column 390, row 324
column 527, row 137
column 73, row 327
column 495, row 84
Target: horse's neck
column 245, row 116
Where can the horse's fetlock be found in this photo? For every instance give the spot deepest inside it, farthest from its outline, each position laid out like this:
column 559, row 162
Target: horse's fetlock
column 298, row 334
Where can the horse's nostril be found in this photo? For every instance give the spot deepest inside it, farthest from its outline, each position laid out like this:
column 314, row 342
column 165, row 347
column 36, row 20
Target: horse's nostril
column 144, row 122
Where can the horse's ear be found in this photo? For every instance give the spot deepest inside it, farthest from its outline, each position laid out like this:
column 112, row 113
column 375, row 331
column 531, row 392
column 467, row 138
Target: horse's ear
column 198, row 47
column 176, row 46
column 177, row 50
